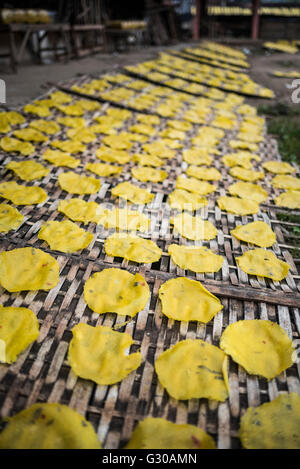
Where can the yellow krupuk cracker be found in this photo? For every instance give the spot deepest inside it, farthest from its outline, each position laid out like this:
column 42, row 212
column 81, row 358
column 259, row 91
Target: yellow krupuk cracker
column 76, row 184
column 132, row 248
column 10, row 218
column 197, row 259
column 65, row 236
column 263, row 264
column 22, row 195
column 28, row 170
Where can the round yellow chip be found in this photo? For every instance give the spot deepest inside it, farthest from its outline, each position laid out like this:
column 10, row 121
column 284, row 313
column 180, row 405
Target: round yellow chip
column 132, row 248
column 28, row 170
column 278, row 167
column 246, row 174
column 248, row 190
column 69, row 146
column 10, row 144
column 133, row 193
column 286, row 182
column 238, row 206
column 65, row 236
column 242, row 158
column 179, row 125
column 256, row 232
column 98, row 354
column 10, row 218
column 129, row 220
column 76, row 184
column 113, row 156
column 41, row 111
column 19, row 328
column 59, row 158
column 197, row 157
column 116, row 291
column 22, row 195
column 187, row 300
column 184, row 200
column 273, row 425
column 289, row 199
column 193, row 227
column 84, row 135
column 30, row 135
column 71, row 109
column 73, row 122
column 48, row 426
column 117, row 143
column 28, row 269
column 158, row 149
column 157, row 433
column 263, row 263
column 145, row 174
column 148, row 160
column 261, row 347
column 48, row 127
column 80, row 210
column 103, row 170
column 143, row 129
column 206, row 174
column 197, row 259
column 200, row 371
column 193, row 185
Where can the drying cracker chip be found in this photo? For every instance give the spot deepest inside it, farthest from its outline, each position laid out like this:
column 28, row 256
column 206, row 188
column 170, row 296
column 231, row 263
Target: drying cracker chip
column 263, row 263
column 197, row 259
column 278, row 167
column 238, row 206
column 286, row 182
column 60, row 158
column 193, row 185
column 22, row 195
column 48, row 426
column 261, row 347
column 76, row 184
column 273, row 425
column 28, row 269
column 103, row 170
column 48, row 127
column 133, row 193
column 98, row 354
column 71, row 109
column 123, row 219
column 132, row 248
column 14, row 117
column 158, row 433
column 116, row 142
column 145, row 174
column 187, row 300
column 84, row 135
column 28, row 170
column 148, row 119
column 173, row 134
column 256, row 232
column 184, row 200
column 246, row 174
column 65, row 236
column 200, row 371
column 143, row 129
column 197, row 157
column 248, row 190
column 88, row 104
column 60, row 97
column 206, row 174
column 69, row 146
column 30, row 135
column 289, row 199
column 241, row 158
column 19, row 328
column 168, row 142
column 74, row 122
column 193, row 227
column 148, row 160
column 102, row 129
column 179, row 125
column 158, row 149
column 113, row 156
column 80, row 210
column 116, row 291
column 10, row 144
column 10, row 218
column 41, row 111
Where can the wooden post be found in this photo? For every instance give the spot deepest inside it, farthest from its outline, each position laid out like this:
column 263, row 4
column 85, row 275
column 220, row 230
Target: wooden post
column 255, row 19
column 196, row 25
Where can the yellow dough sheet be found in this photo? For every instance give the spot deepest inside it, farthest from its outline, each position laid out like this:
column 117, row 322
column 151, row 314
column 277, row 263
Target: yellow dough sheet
column 98, row 354
column 197, row 259
column 28, row 269
column 146, row 174
column 28, row 170
column 113, row 156
column 248, row 190
column 103, row 170
column 48, row 426
column 11, row 144
column 246, row 174
column 76, row 184
column 132, row 248
column 289, row 199
column 278, row 167
column 286, row 182
column 133, row 193
column 184, row 200
column 194, row 185
column 60, row 158
column 193, row 227
column 123, row 219
column 205, row 366
column 206, row 174
column 264, row 264
column 65, row 236
column 145, row 159
column 256, row 232
column 80, row 210
column 10, row 218
column 22, row 195
column 188, row 300
column 238, row 206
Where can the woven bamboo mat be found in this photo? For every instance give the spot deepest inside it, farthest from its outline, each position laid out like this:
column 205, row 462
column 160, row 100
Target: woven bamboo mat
column 42, row 373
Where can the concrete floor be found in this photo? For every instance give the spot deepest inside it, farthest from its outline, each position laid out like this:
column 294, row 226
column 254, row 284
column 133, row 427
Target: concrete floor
column 33, row 80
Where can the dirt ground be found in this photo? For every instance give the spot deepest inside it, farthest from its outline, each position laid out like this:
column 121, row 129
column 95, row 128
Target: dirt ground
column 31, row 79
